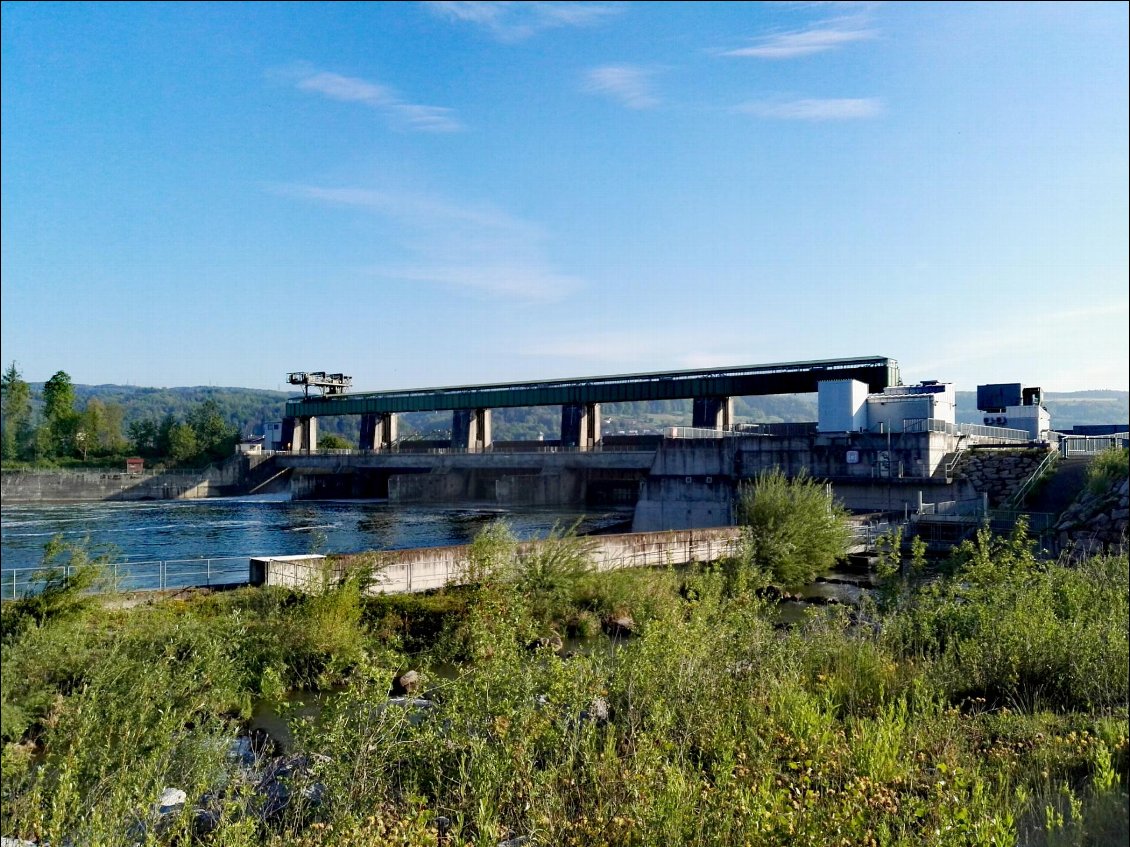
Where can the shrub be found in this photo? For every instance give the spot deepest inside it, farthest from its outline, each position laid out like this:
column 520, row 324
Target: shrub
column 1107, row 469
column 794, row 529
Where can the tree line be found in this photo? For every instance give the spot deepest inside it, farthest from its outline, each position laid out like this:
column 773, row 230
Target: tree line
column 50, row 427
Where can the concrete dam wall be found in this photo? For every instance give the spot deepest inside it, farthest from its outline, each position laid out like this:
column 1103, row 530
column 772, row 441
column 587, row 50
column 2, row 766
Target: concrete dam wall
column 65, row 486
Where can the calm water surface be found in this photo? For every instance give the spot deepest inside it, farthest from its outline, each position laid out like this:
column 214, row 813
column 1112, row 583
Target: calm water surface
column 262, row 526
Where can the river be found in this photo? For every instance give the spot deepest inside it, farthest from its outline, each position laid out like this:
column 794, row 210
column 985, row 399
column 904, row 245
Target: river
column 224, row 527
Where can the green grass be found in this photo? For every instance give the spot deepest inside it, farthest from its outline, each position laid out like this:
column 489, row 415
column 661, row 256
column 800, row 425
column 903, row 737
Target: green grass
column 988, row 707
column 1107, row 469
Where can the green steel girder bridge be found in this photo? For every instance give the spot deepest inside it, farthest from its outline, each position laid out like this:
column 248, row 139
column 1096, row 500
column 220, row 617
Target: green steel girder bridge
column 711, row 390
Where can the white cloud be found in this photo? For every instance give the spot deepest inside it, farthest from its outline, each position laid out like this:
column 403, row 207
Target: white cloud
column 628, row 84
column 477, row 248
column 515, row 21
column 380, row 97
column 792, row 45
column 834, row 109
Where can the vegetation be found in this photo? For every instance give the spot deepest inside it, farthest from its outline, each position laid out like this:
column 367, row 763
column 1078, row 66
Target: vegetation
column 987, row 706
column 794, row 530
column 58, row 433
column 1108, row 469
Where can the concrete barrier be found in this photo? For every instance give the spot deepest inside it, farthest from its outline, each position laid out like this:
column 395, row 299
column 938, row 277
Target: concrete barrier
column 422, row 569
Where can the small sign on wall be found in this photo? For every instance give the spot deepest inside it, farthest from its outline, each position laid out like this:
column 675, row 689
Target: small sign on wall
column 853, row 457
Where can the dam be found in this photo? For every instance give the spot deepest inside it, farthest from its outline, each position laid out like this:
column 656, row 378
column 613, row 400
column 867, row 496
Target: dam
column 883, row 446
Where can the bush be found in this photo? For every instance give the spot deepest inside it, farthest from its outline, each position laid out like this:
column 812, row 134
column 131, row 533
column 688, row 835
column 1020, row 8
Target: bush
column 794, row 529
column 1107, row 469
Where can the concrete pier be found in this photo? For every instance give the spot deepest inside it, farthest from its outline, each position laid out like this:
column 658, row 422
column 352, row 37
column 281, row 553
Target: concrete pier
column 378, row 431
column 470, row 429
column 713, row 412
column 580, row 425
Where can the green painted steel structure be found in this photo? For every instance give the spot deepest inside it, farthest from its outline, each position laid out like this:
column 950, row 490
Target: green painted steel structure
column 783, row 378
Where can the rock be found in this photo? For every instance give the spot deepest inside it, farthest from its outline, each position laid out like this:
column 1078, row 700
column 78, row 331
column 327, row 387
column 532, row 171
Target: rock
column 289, row 781
column 550, row 642
column 517, row 841
column 619, row 625
column 410, row 702
column 170, row 802
column 405, row 684
column 249, row 750
column 205, row 822
column 599, row 712
column 417, row 707
column 5, row 841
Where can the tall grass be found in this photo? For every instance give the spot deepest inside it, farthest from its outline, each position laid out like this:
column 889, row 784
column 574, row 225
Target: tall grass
column 987, row 707
column 1108, row 469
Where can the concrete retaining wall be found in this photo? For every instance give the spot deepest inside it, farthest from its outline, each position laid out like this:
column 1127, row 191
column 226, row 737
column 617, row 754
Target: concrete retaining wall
column 64, row 486
column 406, row 571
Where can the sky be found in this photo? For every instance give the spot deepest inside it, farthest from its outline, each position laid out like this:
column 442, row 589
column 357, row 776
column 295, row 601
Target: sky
column 426, row 194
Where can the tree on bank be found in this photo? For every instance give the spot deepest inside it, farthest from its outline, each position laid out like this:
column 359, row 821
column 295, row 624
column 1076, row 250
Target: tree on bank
column 15, row 414
column 794, row 528
column 59, row 417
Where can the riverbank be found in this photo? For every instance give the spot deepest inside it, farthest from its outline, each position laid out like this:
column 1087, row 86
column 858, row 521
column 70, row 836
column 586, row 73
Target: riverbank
column 987, row 707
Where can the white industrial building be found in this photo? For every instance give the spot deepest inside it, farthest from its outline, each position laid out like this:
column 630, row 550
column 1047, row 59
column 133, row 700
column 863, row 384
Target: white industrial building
column 845, row 405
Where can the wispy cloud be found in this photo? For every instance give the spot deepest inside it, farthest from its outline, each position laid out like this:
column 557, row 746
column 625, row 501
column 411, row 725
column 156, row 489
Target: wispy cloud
column 515, row 21
column 477, row 248
column 988, row 351
column 630, row 85
column 805, row 42
column 348, row 89
column 835, row 109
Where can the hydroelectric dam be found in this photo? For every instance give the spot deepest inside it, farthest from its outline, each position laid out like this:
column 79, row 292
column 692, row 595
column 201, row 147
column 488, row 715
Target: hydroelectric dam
column 882, row 446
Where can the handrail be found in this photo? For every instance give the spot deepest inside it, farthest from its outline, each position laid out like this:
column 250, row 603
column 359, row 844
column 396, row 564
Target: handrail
column 998, row 433
column 1017, row 497
column 951, row 465
column 1089, row 445
column 150, row 575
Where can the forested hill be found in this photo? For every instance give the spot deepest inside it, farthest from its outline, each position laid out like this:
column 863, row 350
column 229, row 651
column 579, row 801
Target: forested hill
column 245, row 408
column 1067, row 408
column 249, row 408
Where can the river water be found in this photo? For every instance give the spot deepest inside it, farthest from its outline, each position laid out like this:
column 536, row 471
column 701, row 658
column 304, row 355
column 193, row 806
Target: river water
column 223, row 527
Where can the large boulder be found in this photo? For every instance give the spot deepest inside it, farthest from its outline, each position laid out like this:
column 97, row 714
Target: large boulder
column 619, row 625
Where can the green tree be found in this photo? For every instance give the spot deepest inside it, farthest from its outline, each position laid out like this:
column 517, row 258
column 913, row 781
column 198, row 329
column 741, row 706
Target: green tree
column 110, row 438
column 143, row 436
column 89, row 427
column 214, row 435
column 15, row 414
column 163, row 443
column 59, row 414
column 333, row 442
column 794, row 528
column 183, row 444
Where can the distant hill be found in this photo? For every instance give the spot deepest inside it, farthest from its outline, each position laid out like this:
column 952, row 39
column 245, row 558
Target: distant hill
column 1067, row 408
column 250, row 408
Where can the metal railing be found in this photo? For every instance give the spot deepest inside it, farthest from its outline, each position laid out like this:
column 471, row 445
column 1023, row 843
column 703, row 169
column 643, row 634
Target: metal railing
column 867, row 535
column 743, row 429
column 998, row 434
column 1017, row 497
column 968, row 507
column 153, row 575
column 599, row 447
column 1089, row 445
column 698, row 432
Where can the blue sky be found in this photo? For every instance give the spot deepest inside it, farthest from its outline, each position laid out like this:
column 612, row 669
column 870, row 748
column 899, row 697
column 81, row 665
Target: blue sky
column 439, row 193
